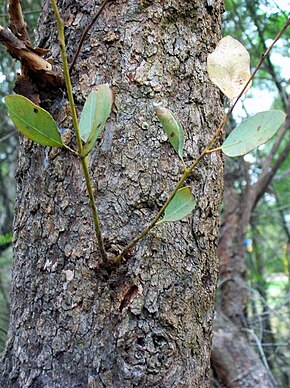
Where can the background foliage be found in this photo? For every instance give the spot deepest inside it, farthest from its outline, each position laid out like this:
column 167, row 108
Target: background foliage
column 255, row 24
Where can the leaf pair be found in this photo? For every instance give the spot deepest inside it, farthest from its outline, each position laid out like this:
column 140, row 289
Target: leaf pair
column 38, row 125
column 228, row 67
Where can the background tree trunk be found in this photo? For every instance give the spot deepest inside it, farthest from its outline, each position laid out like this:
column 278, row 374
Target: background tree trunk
column 237, row 215
column 148, row 323
column 234, row 360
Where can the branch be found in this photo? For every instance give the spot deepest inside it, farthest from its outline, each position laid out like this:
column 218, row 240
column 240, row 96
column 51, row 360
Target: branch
column 269, row 63
column 87, row 29
column 203, row 153
column 34, row 69
column 60, row 28
column 7, row 136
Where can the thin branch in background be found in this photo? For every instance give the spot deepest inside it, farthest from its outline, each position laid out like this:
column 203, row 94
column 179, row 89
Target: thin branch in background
column 280, row 9
column 256, row 19
column 282, row 215
column 85, row 33
column 257, row 294
column 2, row 139
column 23, row 13
column 262, row 354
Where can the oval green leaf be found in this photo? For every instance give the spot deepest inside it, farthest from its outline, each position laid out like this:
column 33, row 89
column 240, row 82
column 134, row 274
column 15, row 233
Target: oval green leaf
column 32, row 121
column 179, row 207
column 252, row 132
column 172, row 128
column 95, row 113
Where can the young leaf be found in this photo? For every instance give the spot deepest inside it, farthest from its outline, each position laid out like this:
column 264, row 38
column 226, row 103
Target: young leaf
column 254, row 131
column 32, row 121
column 172, row 128
column 95, row 113
column 228, row 66
column 179, row 207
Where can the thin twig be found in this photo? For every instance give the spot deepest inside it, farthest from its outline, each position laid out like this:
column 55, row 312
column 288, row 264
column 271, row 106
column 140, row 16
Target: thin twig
column 2, row 15
column 203, row 154
column 87, row 29
column 262, row 354
column 213, row 150
column 60, row 27
column 5, row 137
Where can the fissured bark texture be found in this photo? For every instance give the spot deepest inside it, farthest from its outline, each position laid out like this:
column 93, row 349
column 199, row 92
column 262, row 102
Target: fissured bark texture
column 148, row 323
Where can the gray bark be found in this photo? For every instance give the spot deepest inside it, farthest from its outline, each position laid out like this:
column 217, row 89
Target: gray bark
column 149, row 322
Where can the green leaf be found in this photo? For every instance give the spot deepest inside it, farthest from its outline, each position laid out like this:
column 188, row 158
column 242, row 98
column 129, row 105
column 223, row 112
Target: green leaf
column 179, row 207
column 172, row 128
column 253, row 132
column 32, row 121
column 95, row 113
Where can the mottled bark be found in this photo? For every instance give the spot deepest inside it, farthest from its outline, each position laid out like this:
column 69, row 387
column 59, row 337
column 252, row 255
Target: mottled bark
column 148, row 323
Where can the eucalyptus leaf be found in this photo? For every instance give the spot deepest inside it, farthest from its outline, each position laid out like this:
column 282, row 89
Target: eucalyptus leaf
column 32, row 121
column 228, row 66
column 95, row 113
column 179, row 207
column 252, row 132
column 172, row 128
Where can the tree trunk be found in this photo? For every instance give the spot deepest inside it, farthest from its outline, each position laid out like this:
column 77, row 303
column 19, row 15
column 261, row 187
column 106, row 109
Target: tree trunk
column 149, row 322
column 234, row 361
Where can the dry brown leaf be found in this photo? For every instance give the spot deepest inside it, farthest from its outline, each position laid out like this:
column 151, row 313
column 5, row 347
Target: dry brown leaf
column 228, row 66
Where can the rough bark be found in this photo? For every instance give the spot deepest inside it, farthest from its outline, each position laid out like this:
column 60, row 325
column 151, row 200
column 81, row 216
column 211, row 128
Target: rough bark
column 148, row 323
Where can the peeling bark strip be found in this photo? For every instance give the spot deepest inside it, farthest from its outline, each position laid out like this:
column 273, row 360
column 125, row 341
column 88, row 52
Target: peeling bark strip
column 18, row 50
column 16, row 22
column 149, row 322
column 36, row 72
